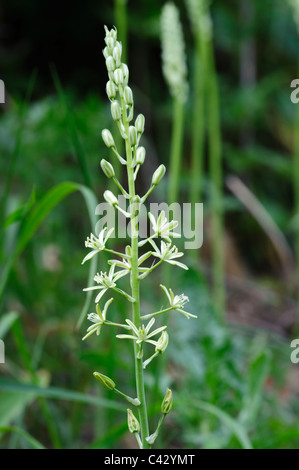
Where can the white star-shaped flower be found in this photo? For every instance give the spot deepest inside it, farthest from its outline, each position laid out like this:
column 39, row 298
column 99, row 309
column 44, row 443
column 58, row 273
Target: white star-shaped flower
column 97, row 244
column 105, row 281
column 168, row 253
column 162, row 228
column 142, row 334
column 177, row 302
column 98, row 319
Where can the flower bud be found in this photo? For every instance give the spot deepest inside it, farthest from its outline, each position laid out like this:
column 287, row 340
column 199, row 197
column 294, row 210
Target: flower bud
column 111, row 76
column 104, row 380
column 133, row 423
column 110, row 42
column 135, row 206
column 117, row 55
column 113, row 33
column 140, row 155
column 139, row 123
column 132, row 136
column 110, row 198
column 162, row 342
column 107, row 138
column 106, row 52
column 110, row 64
column 118, row 76
column 125, row 72
column 167, row 402
column 128, row 250
column 107, row 168
column 115, row 111
column 111, row 90
column 158, row 175
column 128, row 95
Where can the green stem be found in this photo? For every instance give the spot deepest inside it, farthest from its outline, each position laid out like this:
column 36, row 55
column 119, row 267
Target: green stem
column 120, row 13
column 142, row 409
column 215, row 155
column 117, row 253
column 176, row 151
column 150, row 315
column 152, row 268
column 198, row 128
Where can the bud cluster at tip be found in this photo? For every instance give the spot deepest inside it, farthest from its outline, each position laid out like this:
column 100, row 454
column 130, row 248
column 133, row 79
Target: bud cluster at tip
column 122, row 100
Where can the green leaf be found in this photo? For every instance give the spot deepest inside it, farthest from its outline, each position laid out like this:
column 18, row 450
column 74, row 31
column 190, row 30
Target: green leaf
column 6, row 322
column 36, row 216
column 25, row 435
column 13, row 404
column 234, row 426
column 79, row 151
column 57, row 393
column 256, row 376
column 21, row 211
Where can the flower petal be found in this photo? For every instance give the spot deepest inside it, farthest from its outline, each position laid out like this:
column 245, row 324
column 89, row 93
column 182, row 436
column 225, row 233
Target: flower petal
column 90, row 255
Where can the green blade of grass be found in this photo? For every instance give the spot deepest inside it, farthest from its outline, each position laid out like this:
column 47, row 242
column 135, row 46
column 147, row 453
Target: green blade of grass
column 234, row 426
column 26, row 358
column 6, row 323
column 35, row 218
column 19, row 214
column 12, row 405
column 256, row 376
column 35, row 444
column 58, row 394
column 79, row 151
column 17, row 147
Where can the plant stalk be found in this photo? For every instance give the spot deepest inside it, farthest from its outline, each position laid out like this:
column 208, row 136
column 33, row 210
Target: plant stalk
column 198, row 127
column 142, row 409
column 176, row 150
column 215, row 157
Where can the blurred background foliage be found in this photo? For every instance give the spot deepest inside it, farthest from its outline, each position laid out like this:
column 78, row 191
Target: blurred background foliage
column 233, row 382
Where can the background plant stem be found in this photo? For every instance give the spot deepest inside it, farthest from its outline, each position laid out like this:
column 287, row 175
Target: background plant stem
column 176, row 150
column 216, row 194
column 198, row 121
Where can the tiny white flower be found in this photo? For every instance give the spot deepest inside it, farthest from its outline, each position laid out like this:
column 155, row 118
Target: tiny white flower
column 168, row 253
column 177, row 302
column 97, row 244
column 162, row 228
column 105, row 281
column 98, row 319
column 142, row 334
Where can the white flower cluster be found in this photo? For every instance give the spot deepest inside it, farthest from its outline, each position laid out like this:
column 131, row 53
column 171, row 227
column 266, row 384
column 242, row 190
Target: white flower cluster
column 199, row 15
column 173, row 52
